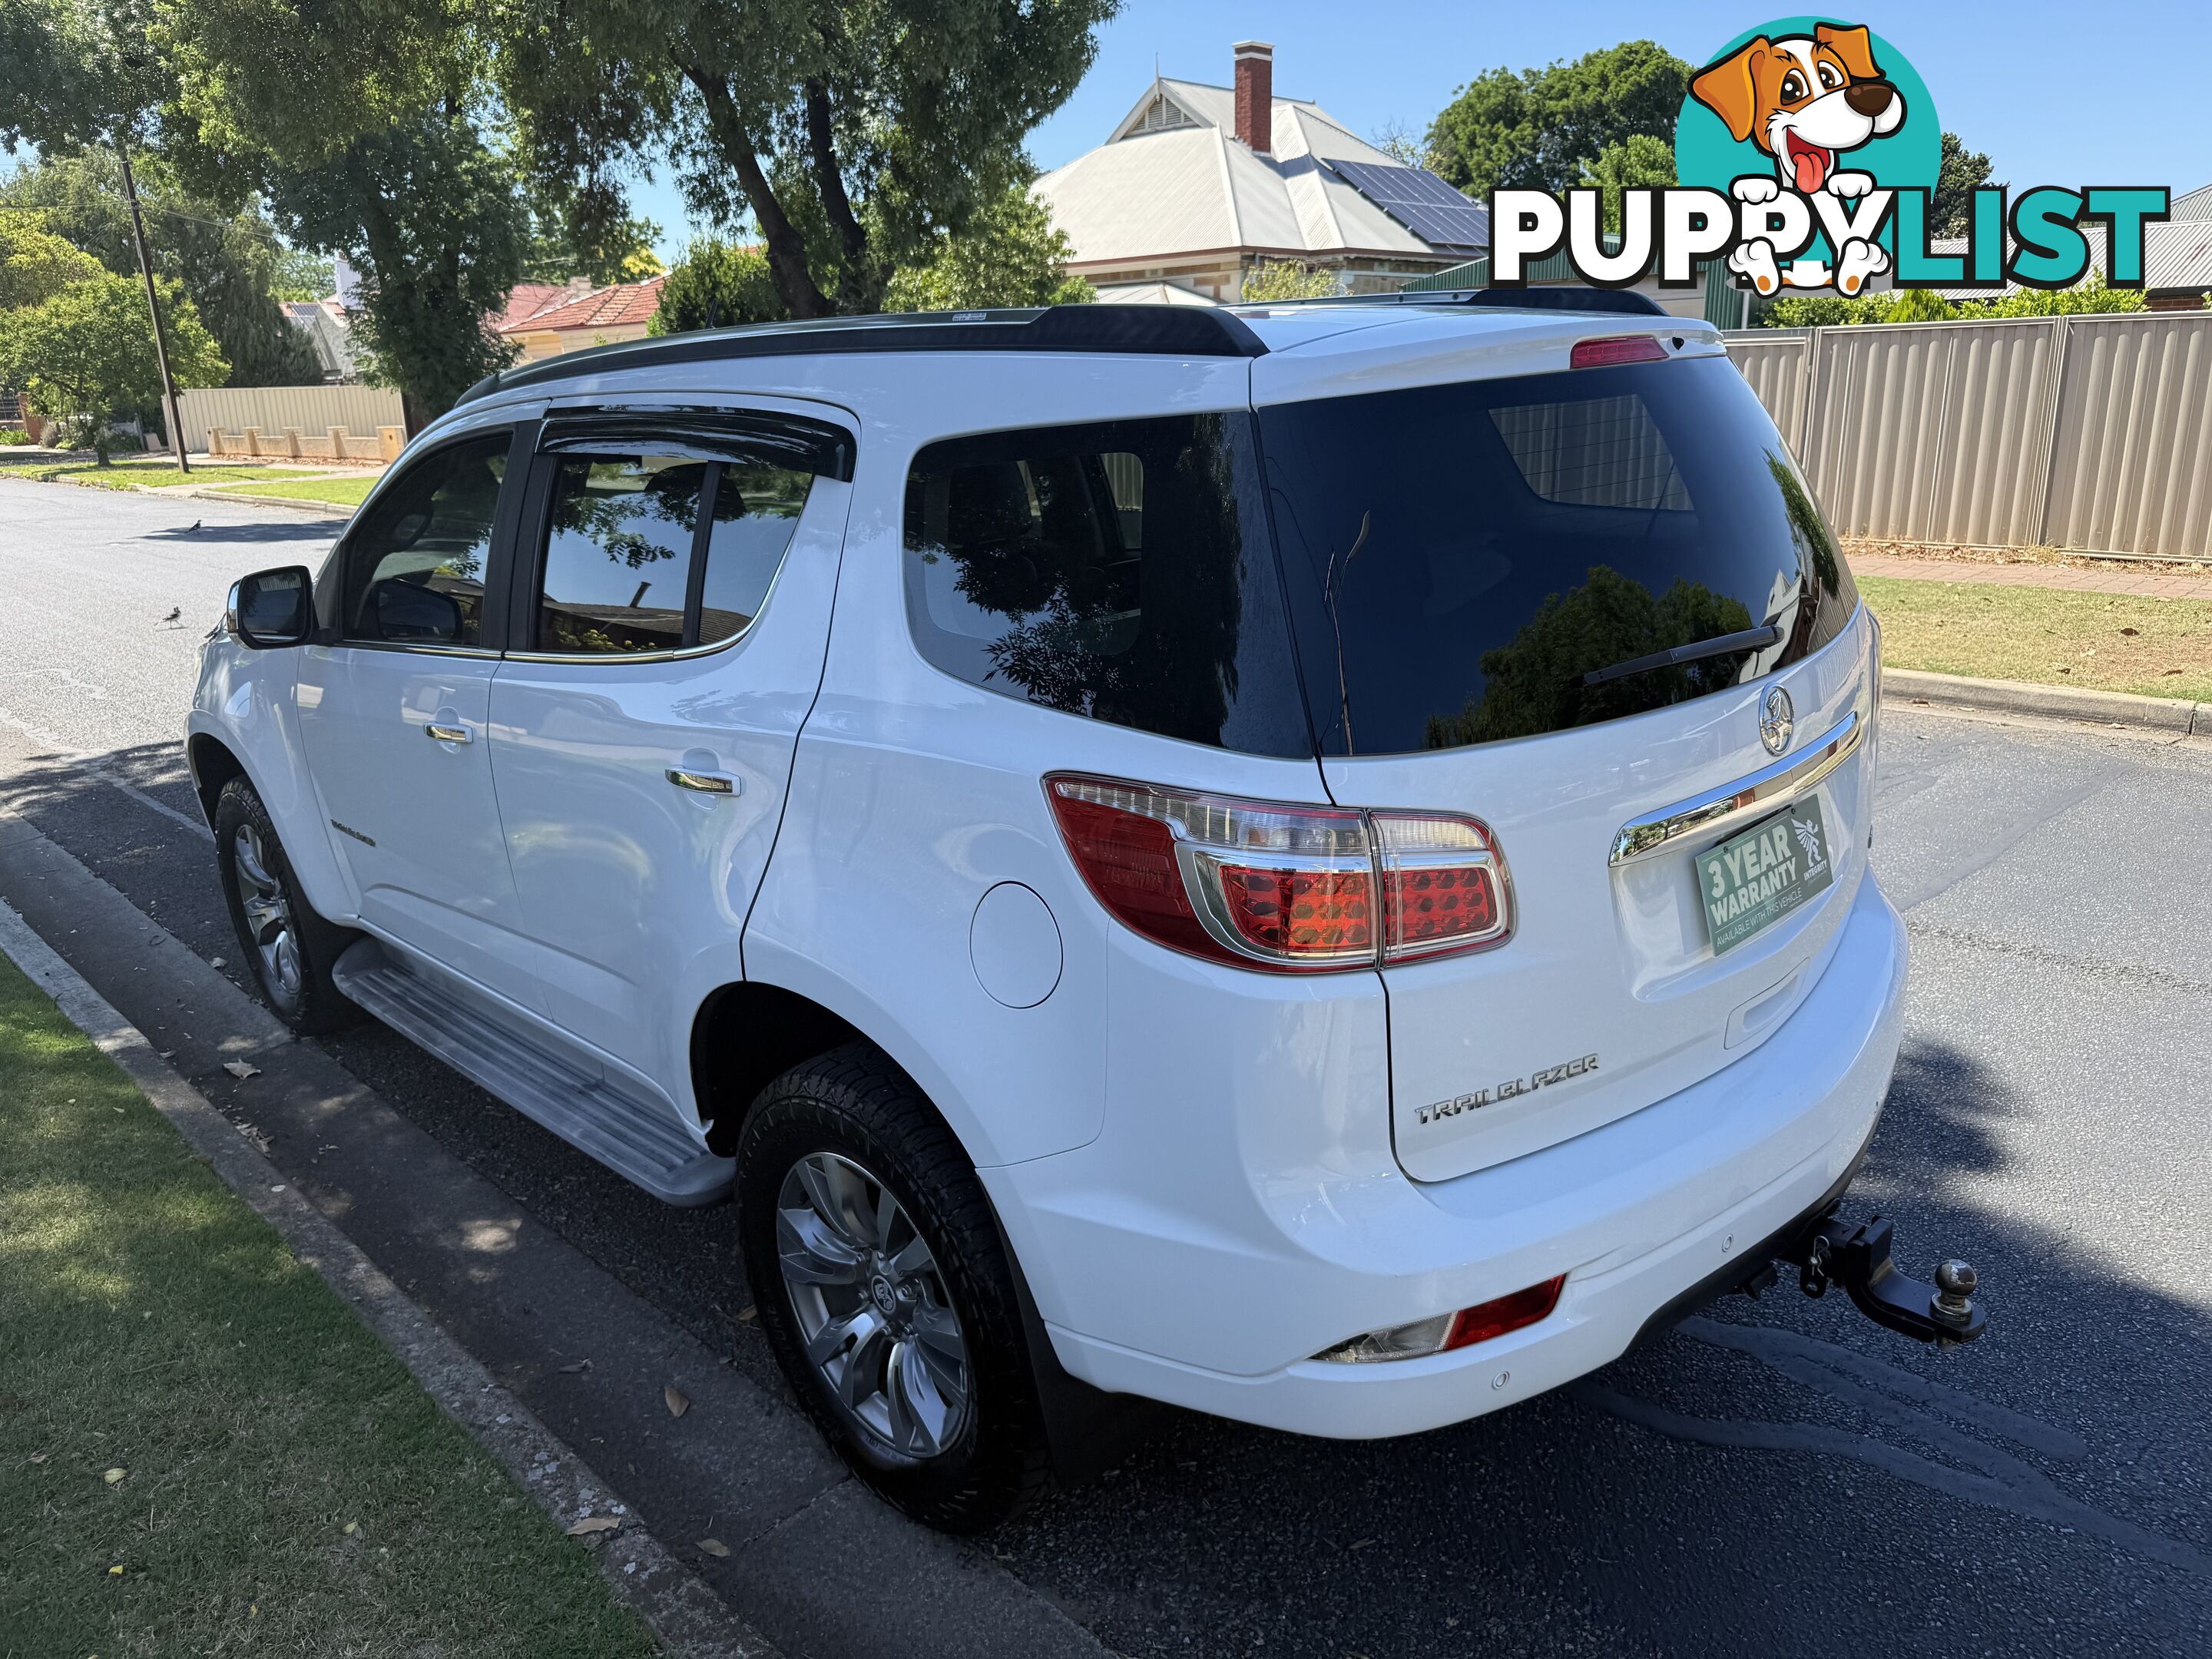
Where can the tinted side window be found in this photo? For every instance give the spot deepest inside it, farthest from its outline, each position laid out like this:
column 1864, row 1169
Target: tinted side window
column 1121, row 571
column 756, row 513
column 414, row 569
column 647, row 552
column 618, row 553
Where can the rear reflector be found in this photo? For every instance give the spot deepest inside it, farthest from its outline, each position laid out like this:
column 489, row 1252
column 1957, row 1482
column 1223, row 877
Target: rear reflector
column 1444, row 1332
column 1293, row 888
column 1507, row 1313
column 1616, row 349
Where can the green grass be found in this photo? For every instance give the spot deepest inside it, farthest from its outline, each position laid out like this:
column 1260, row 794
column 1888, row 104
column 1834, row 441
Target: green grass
column 286, row 1488
column 342, row 491
column 124, row 474
column 2109, row 642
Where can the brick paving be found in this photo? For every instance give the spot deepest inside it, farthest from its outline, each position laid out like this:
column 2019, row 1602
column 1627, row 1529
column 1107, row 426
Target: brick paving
column 2061, row 577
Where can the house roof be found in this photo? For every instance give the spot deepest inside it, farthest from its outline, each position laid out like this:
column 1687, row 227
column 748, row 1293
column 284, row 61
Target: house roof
column 1151, row 294
column 1173, row 180
column 528, row 298
column 596, row 308
column 2197, row 204
column 2177, row 254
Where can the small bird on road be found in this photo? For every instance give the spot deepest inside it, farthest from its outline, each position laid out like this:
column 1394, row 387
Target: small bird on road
column 175, row 611
column 191, row 527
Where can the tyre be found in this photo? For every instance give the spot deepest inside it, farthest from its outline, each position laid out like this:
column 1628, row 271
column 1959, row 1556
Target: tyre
column 884, row 1288
column 288, row 947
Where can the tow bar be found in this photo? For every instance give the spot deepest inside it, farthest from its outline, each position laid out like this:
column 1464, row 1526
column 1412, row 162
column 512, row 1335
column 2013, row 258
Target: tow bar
column 1856, row 1256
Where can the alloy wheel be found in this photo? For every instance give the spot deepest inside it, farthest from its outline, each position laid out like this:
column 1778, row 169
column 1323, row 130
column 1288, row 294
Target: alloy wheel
column 871, row 1306
column 269, row 922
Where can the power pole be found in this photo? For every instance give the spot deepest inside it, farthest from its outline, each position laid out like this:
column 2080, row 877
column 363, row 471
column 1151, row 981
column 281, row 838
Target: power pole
column 153, row 309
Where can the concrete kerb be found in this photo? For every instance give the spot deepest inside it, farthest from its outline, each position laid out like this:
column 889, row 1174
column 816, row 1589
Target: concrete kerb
column 686, row 1616
column 2181, row 719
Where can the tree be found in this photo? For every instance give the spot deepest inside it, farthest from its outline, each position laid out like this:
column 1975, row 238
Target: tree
column 86, row 353
column 36, row 264
column 364, row 124
column 854, row 137
column 436, row 212
column 560, row 248
column 1010, row 255
column 717, row 284
column 1951, row 208
column 302, row 274
column 1402, row 145
column 1638, row 161
column 2091, row 294
column 1541, row 128
column 1288, row 279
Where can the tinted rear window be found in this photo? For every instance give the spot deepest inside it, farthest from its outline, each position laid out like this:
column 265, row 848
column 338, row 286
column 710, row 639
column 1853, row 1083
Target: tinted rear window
column 1119, row 570
column 1464, row 561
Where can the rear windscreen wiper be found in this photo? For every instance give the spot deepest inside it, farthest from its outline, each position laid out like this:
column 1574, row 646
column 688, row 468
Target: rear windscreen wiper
column 1751, row 639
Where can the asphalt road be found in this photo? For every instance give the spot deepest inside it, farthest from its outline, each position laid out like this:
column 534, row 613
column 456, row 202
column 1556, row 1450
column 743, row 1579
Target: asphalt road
column 1775, row 1478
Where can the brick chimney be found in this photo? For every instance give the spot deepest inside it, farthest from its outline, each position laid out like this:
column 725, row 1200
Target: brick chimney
column 1255, row 95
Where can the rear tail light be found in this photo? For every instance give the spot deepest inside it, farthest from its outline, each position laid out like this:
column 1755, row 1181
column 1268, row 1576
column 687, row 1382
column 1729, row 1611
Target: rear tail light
column 1444, row 1332
column 1292, row 889
column 1616, row 349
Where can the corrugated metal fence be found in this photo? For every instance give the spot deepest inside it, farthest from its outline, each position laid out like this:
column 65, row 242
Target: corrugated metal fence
column 2089, row 432
column 360, row 409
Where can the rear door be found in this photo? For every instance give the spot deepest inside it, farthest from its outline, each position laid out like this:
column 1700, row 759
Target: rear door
column 1558, row 603
column 674, row 578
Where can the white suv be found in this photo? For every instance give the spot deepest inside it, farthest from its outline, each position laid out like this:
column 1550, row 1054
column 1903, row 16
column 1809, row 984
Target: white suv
column 1307, row 863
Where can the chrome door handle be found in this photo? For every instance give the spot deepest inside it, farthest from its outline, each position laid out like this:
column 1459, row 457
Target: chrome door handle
column 707, row 783
column 449, row 733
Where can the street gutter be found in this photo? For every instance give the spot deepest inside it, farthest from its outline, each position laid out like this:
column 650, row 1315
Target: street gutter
column 2172, row 716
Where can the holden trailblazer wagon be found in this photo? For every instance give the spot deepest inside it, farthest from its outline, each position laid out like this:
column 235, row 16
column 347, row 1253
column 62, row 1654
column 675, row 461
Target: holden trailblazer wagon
column 1309, row 863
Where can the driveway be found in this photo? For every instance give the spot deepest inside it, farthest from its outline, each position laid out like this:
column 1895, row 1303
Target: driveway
column 1776, row 1477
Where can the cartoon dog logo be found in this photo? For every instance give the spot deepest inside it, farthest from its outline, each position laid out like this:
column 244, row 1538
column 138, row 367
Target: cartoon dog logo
column 1805, row 100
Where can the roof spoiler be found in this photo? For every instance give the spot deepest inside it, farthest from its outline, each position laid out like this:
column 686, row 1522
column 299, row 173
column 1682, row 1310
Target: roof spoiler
column 1135, row 329
column 1620, row 301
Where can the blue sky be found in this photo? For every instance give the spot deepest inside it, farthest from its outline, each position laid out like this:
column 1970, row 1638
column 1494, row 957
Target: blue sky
column 2054, row 93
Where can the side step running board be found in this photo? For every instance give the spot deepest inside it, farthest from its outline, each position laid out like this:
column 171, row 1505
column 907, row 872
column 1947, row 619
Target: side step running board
column 635, row 1139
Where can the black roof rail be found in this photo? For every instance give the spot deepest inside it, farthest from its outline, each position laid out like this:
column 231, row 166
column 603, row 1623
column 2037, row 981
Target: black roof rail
column 1139, row 330
column 1565, row 297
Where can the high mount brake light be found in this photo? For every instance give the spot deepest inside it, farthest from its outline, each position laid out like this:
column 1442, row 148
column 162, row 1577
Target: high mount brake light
column 1616, row 349
column 1289, row 888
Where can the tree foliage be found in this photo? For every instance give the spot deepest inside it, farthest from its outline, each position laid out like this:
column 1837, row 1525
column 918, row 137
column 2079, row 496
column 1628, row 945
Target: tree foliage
column 436, row 212
column 364, row 123
column 1011, row 254
column 224, row 252
column 86, row 353
column 1962, row 172
column 36, row 264
column 1918, row 305
column 1541, row 127
column 717, row 284
column 853, row 136
column 1636, row 162
column 1288, row 279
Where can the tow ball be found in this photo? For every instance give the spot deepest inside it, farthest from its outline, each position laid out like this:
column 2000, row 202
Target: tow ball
column 1856, row 1256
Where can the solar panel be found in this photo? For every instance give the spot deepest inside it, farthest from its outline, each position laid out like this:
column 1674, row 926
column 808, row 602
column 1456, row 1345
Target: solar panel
column 1421, row 202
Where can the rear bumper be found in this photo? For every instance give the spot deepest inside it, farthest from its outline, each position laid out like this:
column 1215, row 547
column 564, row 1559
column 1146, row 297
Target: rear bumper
column 1638, row 1215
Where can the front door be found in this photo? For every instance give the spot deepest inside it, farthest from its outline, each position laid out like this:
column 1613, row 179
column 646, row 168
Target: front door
column 393, row 713
column 643, row 723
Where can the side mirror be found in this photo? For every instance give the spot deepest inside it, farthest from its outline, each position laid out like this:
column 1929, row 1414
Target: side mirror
column 274, row 608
